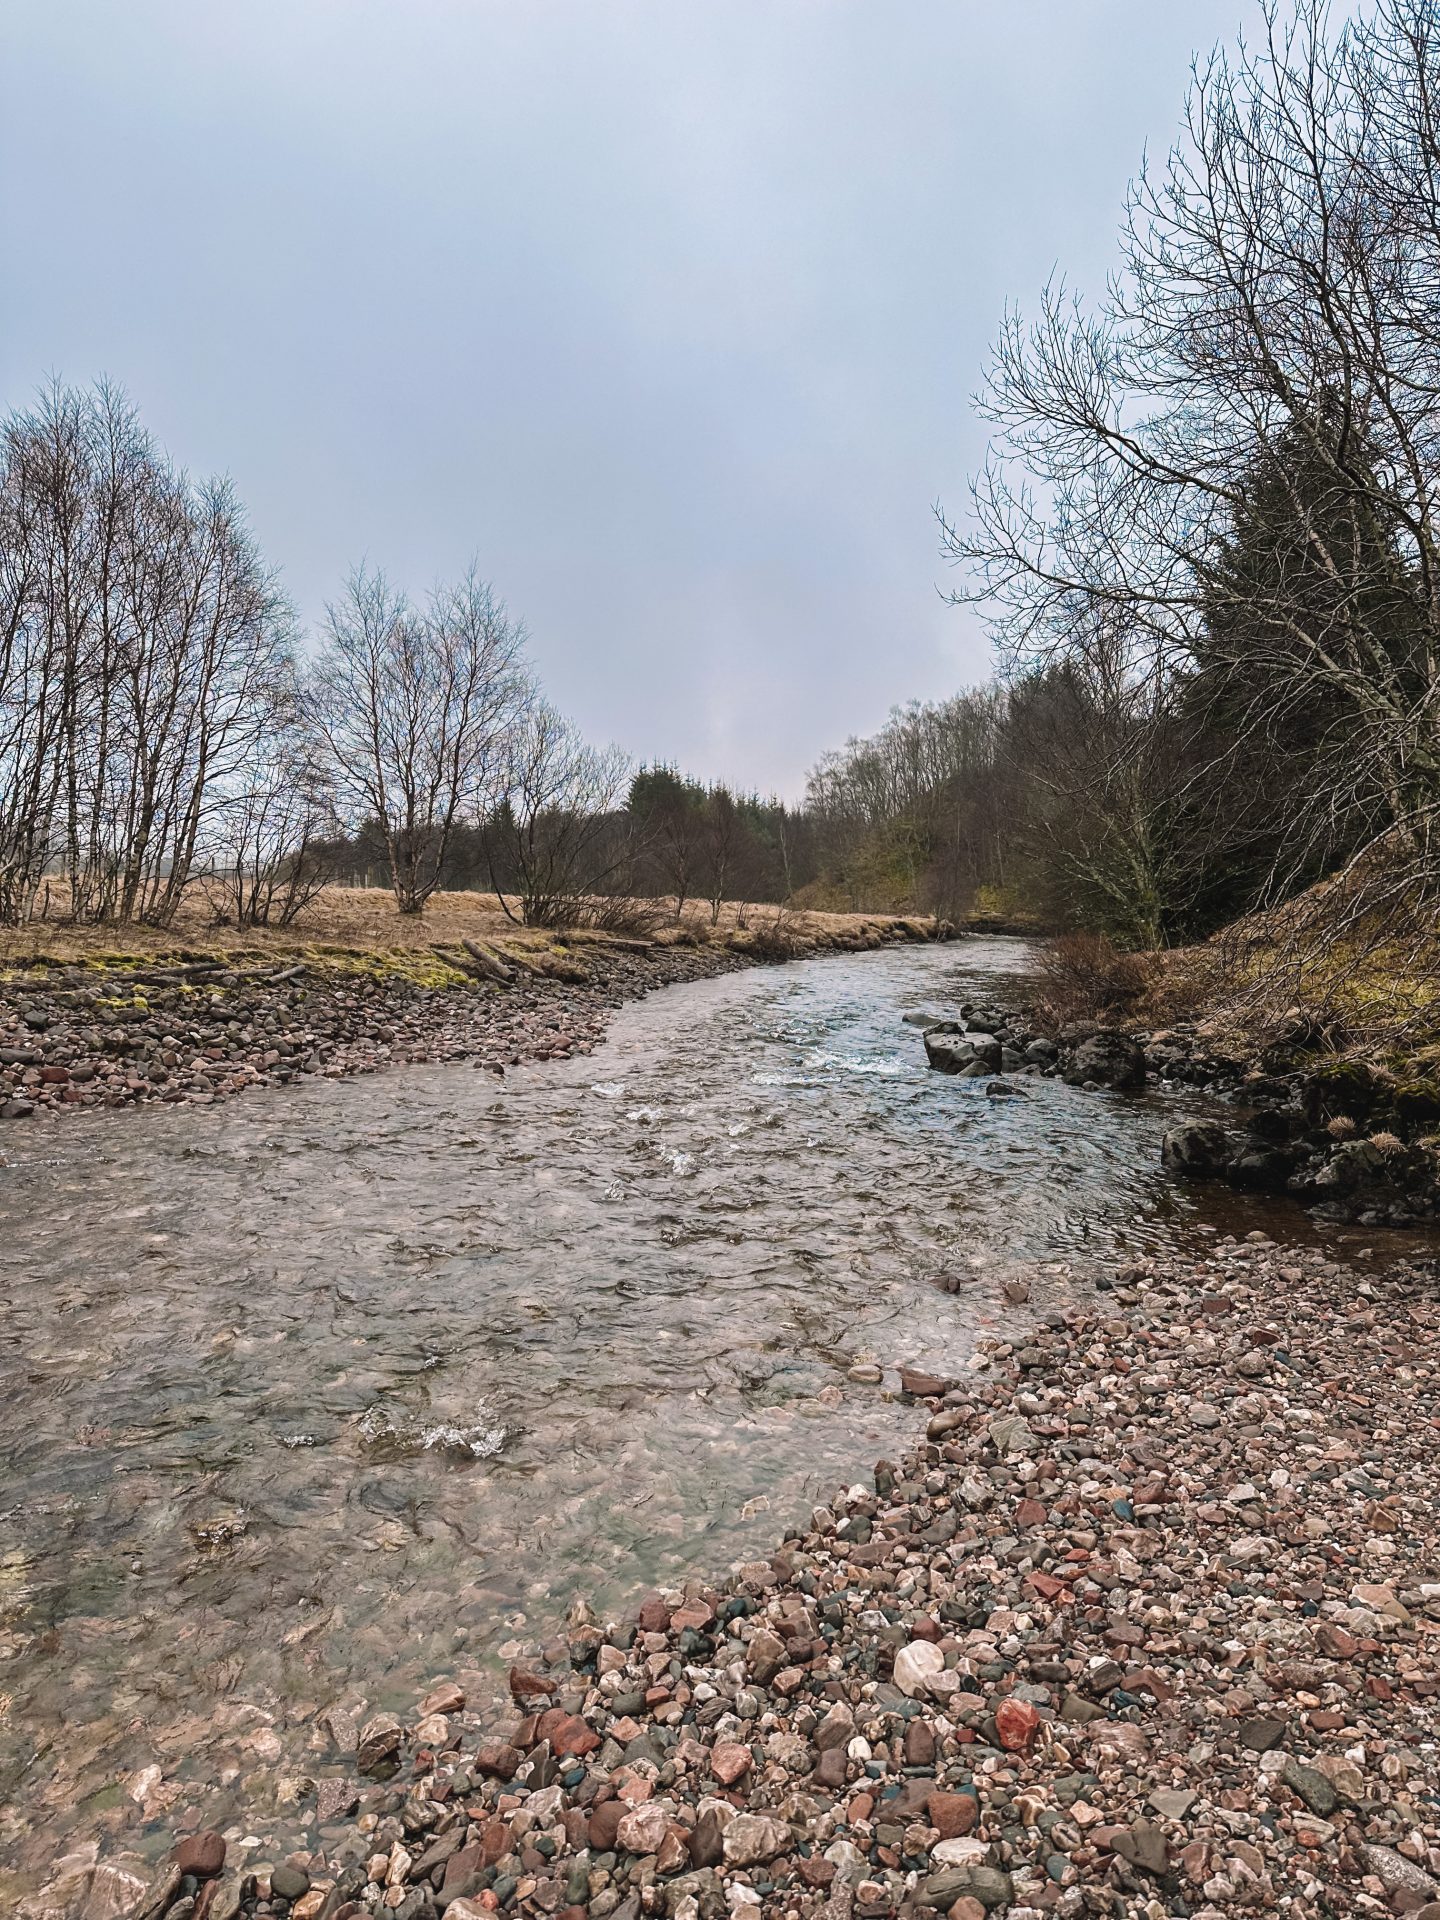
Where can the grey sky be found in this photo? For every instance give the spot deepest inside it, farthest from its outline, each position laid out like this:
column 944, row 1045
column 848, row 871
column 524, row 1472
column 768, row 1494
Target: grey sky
column 670, row 312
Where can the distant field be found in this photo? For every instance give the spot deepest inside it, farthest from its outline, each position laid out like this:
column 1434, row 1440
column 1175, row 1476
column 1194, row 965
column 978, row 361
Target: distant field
column 365, row 919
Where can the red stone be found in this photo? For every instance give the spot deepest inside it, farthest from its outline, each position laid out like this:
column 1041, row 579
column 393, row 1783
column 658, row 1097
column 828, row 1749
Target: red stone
column 525, row 1685
column 572, row 1736
column 1046, row 1585
column 202, row 1854
column 654, row 1615
column 1030, row 1513
column 953, row 1814
column 729, row 1762
column 694, row 1613
column 1336, row 1642
column 604, row 1823
column 1016, row 1724
column 925, row 1386
column 497, row 1759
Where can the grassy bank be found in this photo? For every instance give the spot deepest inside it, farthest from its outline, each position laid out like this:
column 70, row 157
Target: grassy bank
column 364, row 923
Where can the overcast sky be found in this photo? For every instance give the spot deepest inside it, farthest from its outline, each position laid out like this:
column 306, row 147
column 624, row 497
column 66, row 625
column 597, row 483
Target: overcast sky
column 669, row 312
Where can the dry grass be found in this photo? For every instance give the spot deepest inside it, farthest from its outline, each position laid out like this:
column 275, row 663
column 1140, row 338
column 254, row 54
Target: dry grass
column 1085, row 977
column 1354, row 964
column 365, row 920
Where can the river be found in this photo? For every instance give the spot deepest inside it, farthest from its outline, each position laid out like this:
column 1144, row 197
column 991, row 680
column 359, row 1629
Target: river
column 313, row 1398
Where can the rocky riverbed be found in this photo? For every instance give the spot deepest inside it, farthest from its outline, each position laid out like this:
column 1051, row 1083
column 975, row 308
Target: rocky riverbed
column 1145, row 1623
column 119, row 1034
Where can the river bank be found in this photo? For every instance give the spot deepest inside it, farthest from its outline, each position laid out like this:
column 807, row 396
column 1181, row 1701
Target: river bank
column 1145, row 1624
column 116, row 1030
column 323, row 1413
column 1350, row 1139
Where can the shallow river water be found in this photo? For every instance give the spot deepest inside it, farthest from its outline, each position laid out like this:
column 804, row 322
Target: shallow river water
column 313, row 1398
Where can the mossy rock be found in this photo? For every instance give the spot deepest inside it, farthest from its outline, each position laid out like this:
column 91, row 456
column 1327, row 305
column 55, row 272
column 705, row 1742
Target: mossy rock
column 1416, row 1104
column 1345, row 1087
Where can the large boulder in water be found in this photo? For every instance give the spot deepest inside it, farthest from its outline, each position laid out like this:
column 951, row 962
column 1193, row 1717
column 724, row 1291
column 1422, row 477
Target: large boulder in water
column 1198, row 1148
column 958, row 1052
column 1109, row 1060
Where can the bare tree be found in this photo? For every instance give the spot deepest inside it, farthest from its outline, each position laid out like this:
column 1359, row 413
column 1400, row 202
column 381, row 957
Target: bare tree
column 415, row 706
column 1275, row 333
column 140, row 638
column 551, row 823
column 272, row 844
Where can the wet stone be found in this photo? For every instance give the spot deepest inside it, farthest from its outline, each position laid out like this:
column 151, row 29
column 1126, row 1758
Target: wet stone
column 288, row 1882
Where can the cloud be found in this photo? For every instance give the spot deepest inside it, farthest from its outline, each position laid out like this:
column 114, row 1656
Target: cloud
column 669, row 312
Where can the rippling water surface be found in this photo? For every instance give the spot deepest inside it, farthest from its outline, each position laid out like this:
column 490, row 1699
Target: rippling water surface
column 315, row 1397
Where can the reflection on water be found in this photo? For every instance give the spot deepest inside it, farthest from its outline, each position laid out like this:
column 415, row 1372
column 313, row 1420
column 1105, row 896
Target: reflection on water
column 312, row 1398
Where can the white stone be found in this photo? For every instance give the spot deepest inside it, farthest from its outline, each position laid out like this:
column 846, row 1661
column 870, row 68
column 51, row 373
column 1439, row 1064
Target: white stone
column 752, row 1838
column 964, row 1851
column 915, row 1663
column 643, row 1829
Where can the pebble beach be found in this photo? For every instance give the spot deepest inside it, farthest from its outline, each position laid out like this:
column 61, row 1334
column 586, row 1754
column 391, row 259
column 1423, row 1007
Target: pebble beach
column 1143, row 1624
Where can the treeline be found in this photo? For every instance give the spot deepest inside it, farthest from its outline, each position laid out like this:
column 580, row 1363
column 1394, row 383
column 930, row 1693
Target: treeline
column 1207, row 535
column 163, row 731
column 668, row 846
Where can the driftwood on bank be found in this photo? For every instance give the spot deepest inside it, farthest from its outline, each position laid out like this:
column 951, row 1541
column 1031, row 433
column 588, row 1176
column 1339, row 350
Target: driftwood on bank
column 490, row 964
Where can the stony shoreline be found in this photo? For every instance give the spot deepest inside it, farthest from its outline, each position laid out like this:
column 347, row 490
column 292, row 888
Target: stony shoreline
column 1349, row 1140
column 1146, row 1624
column 123, row 1034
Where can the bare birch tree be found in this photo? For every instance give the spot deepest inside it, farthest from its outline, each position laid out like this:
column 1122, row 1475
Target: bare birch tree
column 415, row 705
column 551, row 823
column 141, row 638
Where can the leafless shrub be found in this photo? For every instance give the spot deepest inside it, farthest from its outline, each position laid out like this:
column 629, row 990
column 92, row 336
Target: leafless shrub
column 1085, row 977
column 550, row 824
column 620, row 913
column 773, row 938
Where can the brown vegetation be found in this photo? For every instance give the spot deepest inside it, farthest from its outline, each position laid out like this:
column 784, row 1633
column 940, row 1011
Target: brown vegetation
column 367, row 920
column 1084, row 976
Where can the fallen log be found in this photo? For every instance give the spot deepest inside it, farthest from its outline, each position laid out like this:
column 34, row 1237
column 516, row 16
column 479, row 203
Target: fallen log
column 490, row 964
